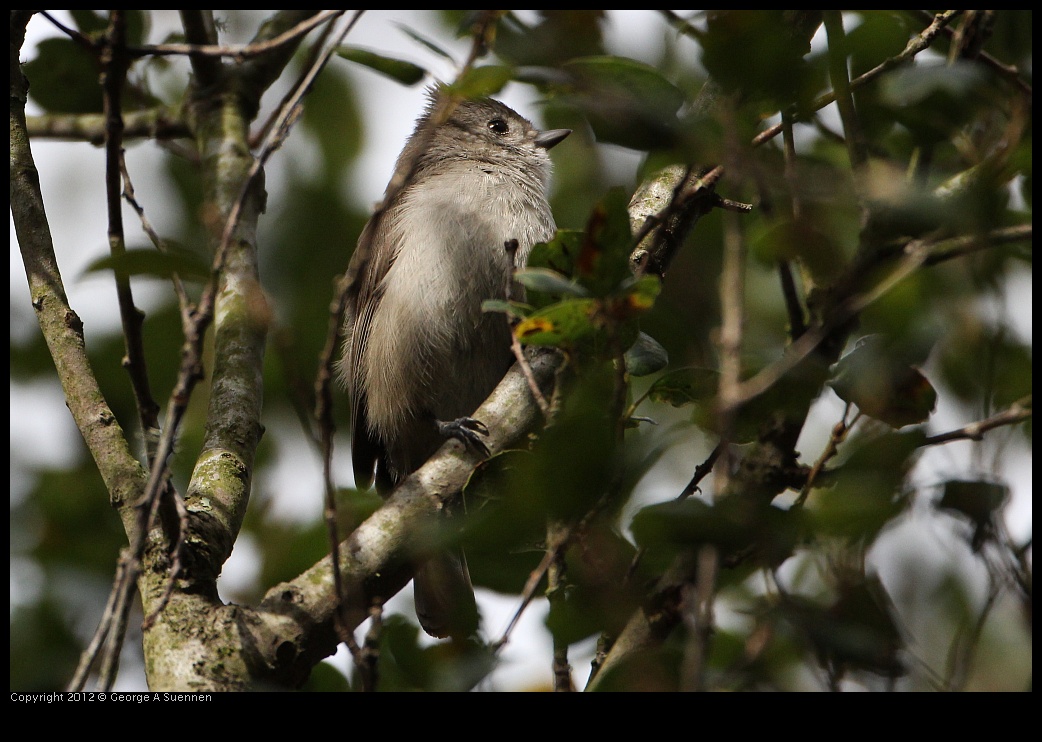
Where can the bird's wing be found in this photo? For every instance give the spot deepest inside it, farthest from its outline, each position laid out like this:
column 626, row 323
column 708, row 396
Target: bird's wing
column 366, row 272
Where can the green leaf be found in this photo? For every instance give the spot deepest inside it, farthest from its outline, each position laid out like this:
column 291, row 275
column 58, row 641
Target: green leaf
column 914, row 85
column 513, row 308
column 149, row 262
column 603, row 259
column 684, row 386
column 138, row 24
column 689, row 522
column 44, row 644
column 480, row 82
column 761, row 54
column 603, row 325
column 768, row 534
column 868, row 492
column 420, row 38
column 640, row 294
column 626, row 102
column 89, row 22
column 73, row 528
column 354, row 506
column 559, row 324
column 857, row 630
column 977, row 500
column 623, row 74
column 933, row 101
column 552, row 38
column 802, row 240
column 404, row 72
column 333, row 119
column 700, row 387
column 325, row 678
column 646, row 356
column 977, row 360
column 598, row 596
column 94, row 25
column 63, row 78
column 549, row 282
column 882, row 385
column 559, row 254
column 878, row 35
column 505, row 522
column 407, row 665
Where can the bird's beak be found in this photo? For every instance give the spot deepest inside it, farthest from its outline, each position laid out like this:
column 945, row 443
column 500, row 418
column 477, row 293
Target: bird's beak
column 551, row 137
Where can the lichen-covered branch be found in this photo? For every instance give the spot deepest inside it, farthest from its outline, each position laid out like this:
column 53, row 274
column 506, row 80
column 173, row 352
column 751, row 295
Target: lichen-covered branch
column 62, row 330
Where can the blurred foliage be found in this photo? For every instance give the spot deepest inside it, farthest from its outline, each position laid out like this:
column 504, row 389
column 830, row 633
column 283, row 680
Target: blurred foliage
column 406, row 666
column 883, row 385
column 949, row 150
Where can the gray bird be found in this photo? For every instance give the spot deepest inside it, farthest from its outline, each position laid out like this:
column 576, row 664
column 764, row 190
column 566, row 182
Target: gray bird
column 419, row 354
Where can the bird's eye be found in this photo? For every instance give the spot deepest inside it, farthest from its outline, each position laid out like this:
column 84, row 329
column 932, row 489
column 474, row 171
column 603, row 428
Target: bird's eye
column 498, row 126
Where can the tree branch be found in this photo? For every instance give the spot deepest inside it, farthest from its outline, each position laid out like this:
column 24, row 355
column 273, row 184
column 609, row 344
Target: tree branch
column 62, row 330
column 220, row 486
column 114, row 70
column 163, row 122
column 293, row 626
column 1016, row 414
column 238, row 52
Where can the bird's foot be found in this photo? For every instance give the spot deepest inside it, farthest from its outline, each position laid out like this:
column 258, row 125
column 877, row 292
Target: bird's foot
column 467, row 431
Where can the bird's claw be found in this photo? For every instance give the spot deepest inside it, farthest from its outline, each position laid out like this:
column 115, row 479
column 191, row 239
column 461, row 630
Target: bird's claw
column 467, row 431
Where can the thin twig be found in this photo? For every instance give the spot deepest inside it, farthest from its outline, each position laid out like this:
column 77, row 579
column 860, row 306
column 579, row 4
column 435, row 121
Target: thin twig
column 527, row 594
column 526, row 369
column 682, row 26
column 966, row 640
column 72, row 33
column 559, row 537
column 1017, row 413
column 838, row 435
column 701, row 472
column 917, row 44
column 110, row 633
column 238, row 52
column 957, row 247
column 698, row 599
column 555, row 593
column 1009, row 71
column 316, row 51
column 130, row 196
column 94, row 647
column 698, row 602
column 368, row 659
column 201, row 30
column 857, row 149
column 160, row 122
column 512, row 247
column 114, row 70
column 797, row 322
column 176, row 552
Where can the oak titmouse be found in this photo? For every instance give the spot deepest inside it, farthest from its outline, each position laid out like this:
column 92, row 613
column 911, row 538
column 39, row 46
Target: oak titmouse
column 419, row 355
